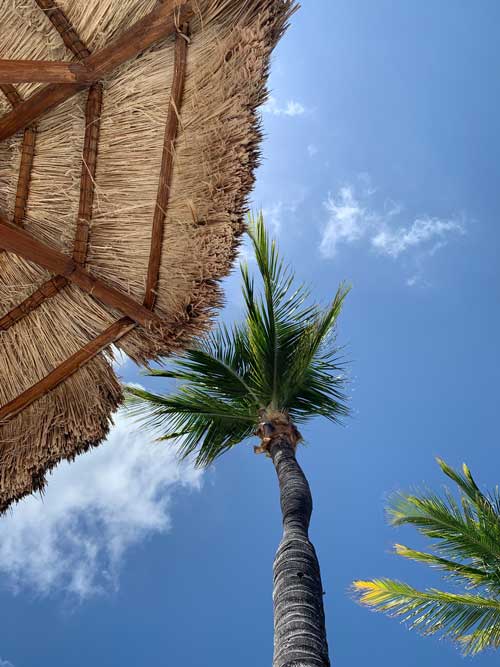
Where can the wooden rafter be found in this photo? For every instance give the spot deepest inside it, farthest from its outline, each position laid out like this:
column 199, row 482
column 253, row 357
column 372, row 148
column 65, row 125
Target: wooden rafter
column 45, row 291
column 89, row 165
column 35, row 106
column 67, row 368
column 27, row 156
column 20, row 242
column 24, row 180
column 156, row 25
column 64, row 27
column 44, row 71
column 167, row 166
column 11, row 94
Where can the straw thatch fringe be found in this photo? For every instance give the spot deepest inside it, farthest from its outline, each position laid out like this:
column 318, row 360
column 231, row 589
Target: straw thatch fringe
column 216, row 151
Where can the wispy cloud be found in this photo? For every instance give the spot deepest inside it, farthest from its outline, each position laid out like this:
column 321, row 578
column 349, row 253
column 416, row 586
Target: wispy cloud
column 394, row 242
column 353, row 219
column 94, row 511
column 5, row 663
column 312, row 150
column 347, row 221
column 273, row 216
column 120, row 360
column 290, row 108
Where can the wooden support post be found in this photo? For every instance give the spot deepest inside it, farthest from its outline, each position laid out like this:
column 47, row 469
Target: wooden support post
column 43, row 71
column 18, row 241
column 156, row 25
column 63, row 26
column 167, row 166
column 67, row 368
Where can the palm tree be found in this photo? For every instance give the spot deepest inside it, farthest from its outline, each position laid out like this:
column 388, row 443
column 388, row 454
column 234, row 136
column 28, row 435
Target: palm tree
column 264, row 377
column 466, row 539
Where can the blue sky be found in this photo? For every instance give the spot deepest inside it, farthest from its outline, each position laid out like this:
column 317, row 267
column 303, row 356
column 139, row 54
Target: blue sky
column 380, row 167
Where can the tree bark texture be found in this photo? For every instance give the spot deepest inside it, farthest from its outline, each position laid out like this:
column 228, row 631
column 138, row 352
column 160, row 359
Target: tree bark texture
column 299, row 617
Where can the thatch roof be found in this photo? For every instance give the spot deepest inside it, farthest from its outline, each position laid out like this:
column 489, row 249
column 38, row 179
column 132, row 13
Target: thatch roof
column 121, row 204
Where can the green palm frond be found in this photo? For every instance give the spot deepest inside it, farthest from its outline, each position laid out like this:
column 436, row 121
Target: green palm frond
column 433, row 611
column 465, row 536
column 282, row 357
column 467, row 530
column 470, row 576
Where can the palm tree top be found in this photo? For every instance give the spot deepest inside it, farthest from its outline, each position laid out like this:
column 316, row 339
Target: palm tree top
column 281, row 360
column 465, row 538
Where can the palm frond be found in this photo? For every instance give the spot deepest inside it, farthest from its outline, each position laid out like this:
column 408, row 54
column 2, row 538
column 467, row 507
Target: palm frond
column 466, row 539
column 275, row 318
column 281, row 358
column 479, row 640
column 459, row 532
column 289, row 338
column 202, row 423
column 432, row 611
column 471, row 576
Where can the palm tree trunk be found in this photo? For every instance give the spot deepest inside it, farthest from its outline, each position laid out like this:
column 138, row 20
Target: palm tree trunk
column 299, row 617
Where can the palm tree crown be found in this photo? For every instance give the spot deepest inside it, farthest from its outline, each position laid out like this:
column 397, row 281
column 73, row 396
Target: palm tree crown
column 466, row 539
column 281, row 359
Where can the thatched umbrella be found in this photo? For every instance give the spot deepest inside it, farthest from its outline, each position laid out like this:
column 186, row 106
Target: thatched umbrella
column 127, row 150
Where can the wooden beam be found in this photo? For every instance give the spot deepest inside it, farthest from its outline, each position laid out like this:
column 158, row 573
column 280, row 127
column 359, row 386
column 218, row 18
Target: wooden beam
column 11, row 94
column 67, row 368
column 64, row 27
column 20, row 242
column 24, row 179
column 35, row 106
column 156, row 25
column 167, row 166
column 44, row 292
column 89, row 165
column 27, row 155
column 43, row 71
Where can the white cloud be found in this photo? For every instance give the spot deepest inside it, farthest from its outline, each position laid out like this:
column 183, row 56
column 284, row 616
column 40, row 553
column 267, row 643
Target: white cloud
column 312, row 150
column 291, row 108
column 394, row 242
column 5, row 663
column 365, row 181
column 94, row 510
column 347, row 221
column 120, row 359
column 352, row 219
column 272, row 217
